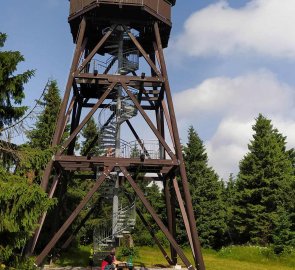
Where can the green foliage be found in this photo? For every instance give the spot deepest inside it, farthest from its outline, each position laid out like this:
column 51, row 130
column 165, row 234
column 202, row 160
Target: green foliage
column 128, row 251
column 41, row 136
column 21, row 201
column 89, row 132
column 135, row 152
column 140, row 235
column 206, row 192
column 32, row 162
column 21, row 204
column 229, row 193
column 76, row 255
column 11, row 85
column 23, row 264
column 263, row 184
column 284, row 233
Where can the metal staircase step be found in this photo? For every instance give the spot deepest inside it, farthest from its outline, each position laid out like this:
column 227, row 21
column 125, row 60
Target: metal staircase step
column 108, row 145
column 108, row 132
column 106, row 136
column 110, row 240
column 107, row 141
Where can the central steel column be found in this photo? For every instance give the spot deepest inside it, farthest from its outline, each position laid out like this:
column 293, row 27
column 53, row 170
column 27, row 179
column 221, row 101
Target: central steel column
column 118, row 133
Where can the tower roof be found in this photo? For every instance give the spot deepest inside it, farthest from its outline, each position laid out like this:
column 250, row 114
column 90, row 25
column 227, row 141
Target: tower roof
column 137, row 14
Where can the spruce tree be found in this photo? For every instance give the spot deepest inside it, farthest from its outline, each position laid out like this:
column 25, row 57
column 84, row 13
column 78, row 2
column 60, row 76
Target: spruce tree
column 89, row 132
column 21, row 205
column 41, row 135
column 206, row 192
column 263, row 185
column 11, row 85
column 21, row 202
column 229, row 190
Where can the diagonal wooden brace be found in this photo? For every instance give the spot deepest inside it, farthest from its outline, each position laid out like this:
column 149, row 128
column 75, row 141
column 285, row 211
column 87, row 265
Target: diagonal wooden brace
column 73, row 216
column 142, row 51
column 86, row 119
column 97, row 47
column 159, row 222
column 149, row 122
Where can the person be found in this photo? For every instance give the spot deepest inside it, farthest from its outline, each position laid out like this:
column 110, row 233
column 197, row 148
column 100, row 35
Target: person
column 109, row 261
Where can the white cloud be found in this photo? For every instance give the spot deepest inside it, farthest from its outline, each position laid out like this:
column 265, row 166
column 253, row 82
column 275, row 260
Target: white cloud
column 262, row 26
column 236, row 102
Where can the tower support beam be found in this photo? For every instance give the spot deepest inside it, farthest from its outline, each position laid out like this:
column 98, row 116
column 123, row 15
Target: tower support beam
column 73, row 216
column 188, row 200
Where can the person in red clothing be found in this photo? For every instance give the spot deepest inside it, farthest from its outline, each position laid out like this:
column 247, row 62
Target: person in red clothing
column 109, row 261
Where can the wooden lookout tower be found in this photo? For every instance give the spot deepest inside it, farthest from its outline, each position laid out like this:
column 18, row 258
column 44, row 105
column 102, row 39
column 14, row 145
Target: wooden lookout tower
column 119, row 77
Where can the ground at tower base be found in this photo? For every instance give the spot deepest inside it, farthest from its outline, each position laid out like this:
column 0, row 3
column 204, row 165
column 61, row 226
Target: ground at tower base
column 230, row 258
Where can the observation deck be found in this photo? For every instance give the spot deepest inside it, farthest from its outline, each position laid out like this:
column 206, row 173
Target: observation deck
column 137, row 14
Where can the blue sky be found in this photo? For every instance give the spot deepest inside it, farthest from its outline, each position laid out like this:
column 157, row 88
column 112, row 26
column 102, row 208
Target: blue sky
column 227, row 62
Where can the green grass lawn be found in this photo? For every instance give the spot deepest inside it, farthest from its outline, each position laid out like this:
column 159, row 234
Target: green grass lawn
column 231, row 258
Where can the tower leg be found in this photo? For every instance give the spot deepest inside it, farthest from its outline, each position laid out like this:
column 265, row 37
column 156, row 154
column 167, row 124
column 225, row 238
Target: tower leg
column 171, row 222
column 72, row 217
column 183, row 213
column 74, row 66
column 189, row 207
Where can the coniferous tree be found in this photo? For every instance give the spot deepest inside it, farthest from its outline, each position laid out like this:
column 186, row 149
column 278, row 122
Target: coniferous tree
column 21, row 202
column 206, row 191
column 21, row 205
column 263, row 185
column 89, row 132
column 229, row 189
column 11, row 85
column 41, row 135
column 155, row 196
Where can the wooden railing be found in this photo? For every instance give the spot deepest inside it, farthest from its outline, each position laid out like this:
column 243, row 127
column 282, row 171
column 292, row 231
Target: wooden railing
column 161, row 7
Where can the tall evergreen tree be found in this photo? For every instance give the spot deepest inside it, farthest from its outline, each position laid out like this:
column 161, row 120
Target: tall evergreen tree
column 155, row 196
column 229, row 190
column 41, row 135
column 21, row 202
column 206, row 191
column 263, row 185
column 11, row 85
column 89, row 132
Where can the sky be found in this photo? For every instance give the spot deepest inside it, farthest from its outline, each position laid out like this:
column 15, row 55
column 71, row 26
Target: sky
column 228, row 61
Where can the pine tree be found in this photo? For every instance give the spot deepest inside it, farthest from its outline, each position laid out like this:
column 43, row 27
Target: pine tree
column 41, row 135
column 89, row 132
column 263, row 185
column 206, row 191
column 11, row 85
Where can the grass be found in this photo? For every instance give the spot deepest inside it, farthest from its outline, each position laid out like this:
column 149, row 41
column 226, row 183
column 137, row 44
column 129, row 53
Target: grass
column 230, row 258
column 74, row 257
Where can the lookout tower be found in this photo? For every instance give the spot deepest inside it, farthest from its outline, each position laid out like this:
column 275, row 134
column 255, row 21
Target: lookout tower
column 119, row 78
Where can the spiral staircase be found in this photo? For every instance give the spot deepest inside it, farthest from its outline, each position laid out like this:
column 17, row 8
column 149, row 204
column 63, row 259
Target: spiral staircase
column 108, row 130
column 107, row 234
column 103, row 236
